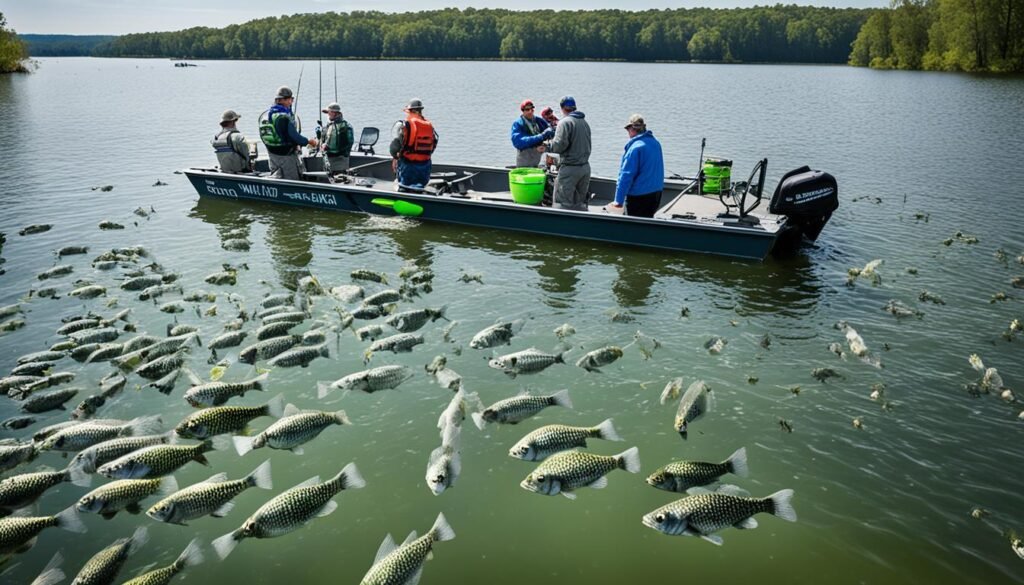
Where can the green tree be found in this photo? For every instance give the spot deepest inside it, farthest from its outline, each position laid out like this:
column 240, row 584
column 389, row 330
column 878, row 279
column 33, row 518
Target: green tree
column 13, row 52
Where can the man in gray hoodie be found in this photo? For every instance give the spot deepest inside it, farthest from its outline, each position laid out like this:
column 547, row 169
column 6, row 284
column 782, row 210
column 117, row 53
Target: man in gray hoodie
column 572, row 144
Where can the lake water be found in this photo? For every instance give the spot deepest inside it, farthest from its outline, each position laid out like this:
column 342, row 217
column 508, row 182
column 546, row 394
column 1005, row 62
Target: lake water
column 890, row 502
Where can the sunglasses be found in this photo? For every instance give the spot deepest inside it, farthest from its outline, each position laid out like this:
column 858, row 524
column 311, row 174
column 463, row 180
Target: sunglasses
column 528, row 109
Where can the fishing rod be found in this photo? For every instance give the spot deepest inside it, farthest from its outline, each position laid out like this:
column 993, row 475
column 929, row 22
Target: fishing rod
column 336, row 81
column 295, row 104
column 320, row 102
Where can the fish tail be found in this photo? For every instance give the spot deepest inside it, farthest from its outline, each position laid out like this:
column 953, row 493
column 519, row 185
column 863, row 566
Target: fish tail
column 323, row 389
column 190, row 557
column 139, row 538
column 260, row 477
column 168, row 485
column 781, row 505
column 737, row 462
column 606, row 431
column 441, row 530
column 350, row 478
column 275, row 407
column 478, row 420
column 629, row 460
column 201, row 448
column 341, row 418
column 51, row 573
column 243, row 444
column 145, row 425
column 441, row 313
column 560, row 358
column 70, row 520
column 561, row 398
column 76, row 473
column 227, row 543
column 258, row 383
column 324, row 352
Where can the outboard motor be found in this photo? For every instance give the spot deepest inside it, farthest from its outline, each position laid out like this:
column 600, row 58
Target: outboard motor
column 807, row 198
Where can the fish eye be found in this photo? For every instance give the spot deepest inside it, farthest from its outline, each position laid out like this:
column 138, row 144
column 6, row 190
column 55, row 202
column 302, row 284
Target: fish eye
column 439, row 479
column 659, row 518
column 540, row 478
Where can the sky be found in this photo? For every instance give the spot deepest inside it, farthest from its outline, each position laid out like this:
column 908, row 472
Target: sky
column 84, row 17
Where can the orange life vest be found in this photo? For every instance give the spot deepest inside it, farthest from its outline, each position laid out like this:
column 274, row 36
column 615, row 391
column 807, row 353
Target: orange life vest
column 419, row 139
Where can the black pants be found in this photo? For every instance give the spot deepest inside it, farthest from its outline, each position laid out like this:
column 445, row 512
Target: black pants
column 643, row 205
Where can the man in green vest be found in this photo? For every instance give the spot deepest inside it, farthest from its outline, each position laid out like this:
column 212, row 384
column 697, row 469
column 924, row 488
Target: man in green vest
column 278, row 132
column 338, row 139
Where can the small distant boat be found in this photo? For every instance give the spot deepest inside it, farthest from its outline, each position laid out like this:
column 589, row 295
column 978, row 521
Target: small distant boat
column 734, row 223
column 184, row 64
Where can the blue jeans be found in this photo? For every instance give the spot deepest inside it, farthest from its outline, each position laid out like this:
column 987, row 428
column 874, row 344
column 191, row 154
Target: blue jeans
column 413, row 174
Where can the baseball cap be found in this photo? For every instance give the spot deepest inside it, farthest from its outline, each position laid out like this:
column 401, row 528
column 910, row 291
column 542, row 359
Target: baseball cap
column 567, row 102
column 229, row 116
column 636, row 121
column 284, row 92
column 525, row 104
column 332, row 107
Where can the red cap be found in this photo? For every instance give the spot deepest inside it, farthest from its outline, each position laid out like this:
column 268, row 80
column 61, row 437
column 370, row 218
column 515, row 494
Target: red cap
column 547, row 111
column 525, row 104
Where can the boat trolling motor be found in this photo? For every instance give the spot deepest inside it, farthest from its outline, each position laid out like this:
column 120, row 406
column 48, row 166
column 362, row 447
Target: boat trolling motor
column 807, row 198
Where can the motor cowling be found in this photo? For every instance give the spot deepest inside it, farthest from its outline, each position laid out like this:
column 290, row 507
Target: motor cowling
column 807, row 198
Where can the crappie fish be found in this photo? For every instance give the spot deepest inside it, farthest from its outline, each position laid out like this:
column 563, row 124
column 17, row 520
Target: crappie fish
column 139, row 342
column 295, row 428
column 72, row 251
column 367, row 312
column 200, row 296
column 8, row 310
column 527, row 361
column 105, row 352
column 548, row 440
column 563, row 473
column 165, row 385
column 403, row 565
column 401, row 342
column 212, row 497
column 23, row 490
column 414, row 320
column 300, row 356
column 88, row 460
column 599, row 358
column 159, row 290
column 704, row 513
column 40, row 356
column 295, row 317
column 18, row 533
column 497, row 334
column 680, row 476
column 224, row 277
column 292, row 509
column 81, row 436
column 276, row 300
column 227, row 339
column 190, row 557
column 454, row 414
column 17, row 422
column 97, row 335
column 172, row 307
column 672, row 390
column 383, row 297
column 443, row 468
column 217, row 393
column 369, row 332
column 125, row 494
column 155, row 461
column 36, row 228
column 519, row 408
column 31, row 369
column 696, row 401
column 56, row 271
column 274, row 329
column 142, row 282
column 364, row 274
column 14, row 384
column 268, row 348
column 47, row 401
column 78, row 325
column 219, row 420
column 162, row 366
column 275, row 310
column 104, row 566
column 369, row 381
column 314, row 337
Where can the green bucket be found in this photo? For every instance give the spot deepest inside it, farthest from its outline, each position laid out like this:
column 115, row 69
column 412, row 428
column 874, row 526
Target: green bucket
column 717, row 175
column 527, row 185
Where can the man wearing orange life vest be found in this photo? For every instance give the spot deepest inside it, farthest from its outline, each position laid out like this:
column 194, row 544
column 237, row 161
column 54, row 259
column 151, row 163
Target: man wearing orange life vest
column 414, row 140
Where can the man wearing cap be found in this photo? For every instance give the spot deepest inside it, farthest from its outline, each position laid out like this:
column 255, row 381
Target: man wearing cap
column 642, row 171
column 414, row 140
column 572, row 143
column 528, row 135
column 278, row 132
column 338, row 139
column 229, row 144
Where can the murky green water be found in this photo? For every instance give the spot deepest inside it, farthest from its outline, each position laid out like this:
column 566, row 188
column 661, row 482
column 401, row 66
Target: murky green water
column 888, row 503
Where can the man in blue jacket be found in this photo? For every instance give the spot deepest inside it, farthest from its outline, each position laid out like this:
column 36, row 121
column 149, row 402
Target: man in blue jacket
column 642, row 172
column 282, row 138
column 528, row 135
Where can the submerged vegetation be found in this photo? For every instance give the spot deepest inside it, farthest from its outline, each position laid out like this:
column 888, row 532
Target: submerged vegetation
column 13, row 53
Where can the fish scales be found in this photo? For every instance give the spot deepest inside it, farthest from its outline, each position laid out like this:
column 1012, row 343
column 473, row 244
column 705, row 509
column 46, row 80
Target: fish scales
column 92, row 458
column 104, row 566
column 46, row 401
column 154, row 461
column 527, row 361
column 268, row 348
column 123, row 494
column 497, row 334
column 383, row 297
column 570, row 470
column 372, row 380
column 191, row 556
column 402, row 565
column 227, row 339
column 161, row 366
column 680, row 476
column 87, row 434
column 599, row 358
column 277, row 329
column 704, row 513
column 519, row 408
column 209, row 497
column 548, row 440
column 294, row 429
column 22, row 490
column 300, row 356
column 219, row 420
column 217, row 393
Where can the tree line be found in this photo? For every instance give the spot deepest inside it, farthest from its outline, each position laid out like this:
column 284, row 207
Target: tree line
column 781, row 33
column 13, row 52
column 944, row 35
column 64, row 45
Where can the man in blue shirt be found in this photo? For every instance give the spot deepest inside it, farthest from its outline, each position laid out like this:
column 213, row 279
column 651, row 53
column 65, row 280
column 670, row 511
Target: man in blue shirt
column 642, row 171
column 528, row 135
column 282, row 138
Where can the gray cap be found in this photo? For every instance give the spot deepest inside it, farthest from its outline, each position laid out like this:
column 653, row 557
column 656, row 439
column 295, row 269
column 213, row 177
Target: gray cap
column 229, row 116
column 636, row 122
column 415, row 104
column 332, row 107
column 284, row 92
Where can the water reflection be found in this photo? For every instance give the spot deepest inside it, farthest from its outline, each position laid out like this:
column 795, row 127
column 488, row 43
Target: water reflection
column 786, row 287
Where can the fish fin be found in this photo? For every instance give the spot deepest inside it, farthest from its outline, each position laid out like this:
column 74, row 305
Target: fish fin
column 291, row 410
column 70, row 520
column 732, row 490
column 51, row 573
column 350, row 478
column 223, row 510
column 323, row 389
column 225, row 544
column 191, row 556
column 275, row 407
column 327, row 509
column 168, row 485
column 412, row 536
column 243, row 444
column 108, row 515
column 298, row 451
column 746, row 524
column 561, row 398
column 569, row 495
column 260, row 477
column 342, row 418
column 606, row 431
column 712, row 538
column 133, row 508
column 77, row 475
column 478, row 420
column 696, row 491
column 599, row 483
column 386, row 548
column 145, row 425
column 737, row 462
column 309, row 482
column 414, row 579
column 26, row 546
column 139, row 538
column 782, row 505
column 193, row 378
column 629, row 460
column 218, row 443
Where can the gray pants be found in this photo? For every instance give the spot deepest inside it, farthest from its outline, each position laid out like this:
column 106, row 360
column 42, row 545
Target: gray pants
column 572, row 187
column 336, row 164
column 528, row 158
column 285, row 166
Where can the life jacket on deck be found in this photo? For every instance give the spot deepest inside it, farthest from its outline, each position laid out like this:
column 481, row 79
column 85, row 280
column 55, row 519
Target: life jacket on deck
column 419, row 139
